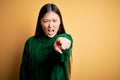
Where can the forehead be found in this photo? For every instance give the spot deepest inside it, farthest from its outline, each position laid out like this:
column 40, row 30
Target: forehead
column 51, row 15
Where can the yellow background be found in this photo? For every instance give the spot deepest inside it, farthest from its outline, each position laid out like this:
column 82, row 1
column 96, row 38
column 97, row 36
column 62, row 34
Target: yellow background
column 93, row 24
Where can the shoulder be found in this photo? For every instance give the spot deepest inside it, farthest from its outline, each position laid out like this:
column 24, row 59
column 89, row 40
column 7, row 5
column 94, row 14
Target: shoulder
column 66, row 35
column 30, row 40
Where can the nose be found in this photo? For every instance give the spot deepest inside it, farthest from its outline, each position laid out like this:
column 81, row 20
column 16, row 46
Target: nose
column 50, row 24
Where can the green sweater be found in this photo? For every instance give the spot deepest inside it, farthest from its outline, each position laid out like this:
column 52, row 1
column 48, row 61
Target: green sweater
column 41, row 62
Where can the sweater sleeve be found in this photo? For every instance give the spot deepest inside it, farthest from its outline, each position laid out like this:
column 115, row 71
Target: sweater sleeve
column 60, row 71
column 24, row 65
column 66, row 53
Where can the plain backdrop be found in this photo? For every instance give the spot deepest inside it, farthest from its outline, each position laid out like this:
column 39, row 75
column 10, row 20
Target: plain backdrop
column 93, row 24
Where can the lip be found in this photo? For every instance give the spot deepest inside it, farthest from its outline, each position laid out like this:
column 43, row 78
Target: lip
column 50, row 31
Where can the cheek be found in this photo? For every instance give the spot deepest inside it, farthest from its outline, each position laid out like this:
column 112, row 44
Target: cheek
column 57, row 25
column 44, row 29
column 44, row 26
column 56, row 28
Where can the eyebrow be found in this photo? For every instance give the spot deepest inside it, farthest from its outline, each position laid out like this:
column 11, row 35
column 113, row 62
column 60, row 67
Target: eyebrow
column 52, row 19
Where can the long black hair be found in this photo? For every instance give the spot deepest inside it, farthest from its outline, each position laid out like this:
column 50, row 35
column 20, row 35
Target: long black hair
column 39, row 31
column 46, row 8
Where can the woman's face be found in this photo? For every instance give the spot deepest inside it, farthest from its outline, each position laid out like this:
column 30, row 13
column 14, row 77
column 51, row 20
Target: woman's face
column 50, row 24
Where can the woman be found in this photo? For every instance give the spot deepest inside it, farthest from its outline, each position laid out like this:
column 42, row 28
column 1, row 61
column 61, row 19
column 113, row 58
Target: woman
column 46, row 54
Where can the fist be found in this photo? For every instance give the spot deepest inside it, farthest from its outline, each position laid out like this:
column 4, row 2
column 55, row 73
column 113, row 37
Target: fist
column 61, row 43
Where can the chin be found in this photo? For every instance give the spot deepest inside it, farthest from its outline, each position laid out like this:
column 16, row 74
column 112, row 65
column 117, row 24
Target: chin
column 51, row 36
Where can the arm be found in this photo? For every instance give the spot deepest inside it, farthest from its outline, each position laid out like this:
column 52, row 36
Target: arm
column 24, row 66
column 63, row 45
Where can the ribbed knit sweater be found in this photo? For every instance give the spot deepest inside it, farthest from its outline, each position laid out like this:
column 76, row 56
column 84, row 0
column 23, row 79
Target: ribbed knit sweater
column 41, row 62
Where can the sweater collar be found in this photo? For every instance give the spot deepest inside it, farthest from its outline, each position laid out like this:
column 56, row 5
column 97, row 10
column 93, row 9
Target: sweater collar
column 45, row 39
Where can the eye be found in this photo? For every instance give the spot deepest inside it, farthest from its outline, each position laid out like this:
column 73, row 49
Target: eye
column 54, row 21
column 45, row 21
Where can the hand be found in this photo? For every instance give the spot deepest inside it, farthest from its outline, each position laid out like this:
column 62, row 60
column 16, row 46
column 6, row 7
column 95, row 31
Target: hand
column 61, row 43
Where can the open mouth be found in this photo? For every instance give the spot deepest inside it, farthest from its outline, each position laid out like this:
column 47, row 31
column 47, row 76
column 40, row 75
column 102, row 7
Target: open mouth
column 51, row 31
